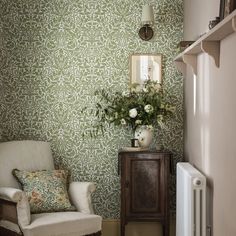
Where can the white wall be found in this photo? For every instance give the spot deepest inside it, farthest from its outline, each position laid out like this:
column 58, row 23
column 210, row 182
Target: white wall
column 197, row 14
column 210, row 124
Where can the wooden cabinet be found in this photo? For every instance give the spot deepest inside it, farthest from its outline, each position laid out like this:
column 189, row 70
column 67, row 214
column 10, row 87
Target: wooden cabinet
column 144, row 187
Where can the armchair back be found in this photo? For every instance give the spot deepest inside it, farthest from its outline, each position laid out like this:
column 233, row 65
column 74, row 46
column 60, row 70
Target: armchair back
column 23, row 155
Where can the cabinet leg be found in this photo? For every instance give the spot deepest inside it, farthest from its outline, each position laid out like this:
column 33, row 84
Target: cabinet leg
column 122, row 229
column 166, row 229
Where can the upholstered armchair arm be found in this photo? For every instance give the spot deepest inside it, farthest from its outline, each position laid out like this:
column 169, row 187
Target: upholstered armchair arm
column 11, row 194
column 80, row 194
column 14, row 202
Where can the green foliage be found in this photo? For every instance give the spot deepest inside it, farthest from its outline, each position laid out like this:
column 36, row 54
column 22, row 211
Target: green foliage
column 141, row 106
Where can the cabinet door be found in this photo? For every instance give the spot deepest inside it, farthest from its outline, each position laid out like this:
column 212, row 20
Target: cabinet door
column 145, row 185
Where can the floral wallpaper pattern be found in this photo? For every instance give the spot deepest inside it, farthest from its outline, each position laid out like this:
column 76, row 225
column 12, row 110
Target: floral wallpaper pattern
column 55, row 54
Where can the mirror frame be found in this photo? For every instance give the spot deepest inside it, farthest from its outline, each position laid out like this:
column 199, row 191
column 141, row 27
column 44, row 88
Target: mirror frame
column 149, row 68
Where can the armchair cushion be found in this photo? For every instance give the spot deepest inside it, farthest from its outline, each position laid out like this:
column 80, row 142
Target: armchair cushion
column 63, row 224
column 80, row 195
column 46, row 190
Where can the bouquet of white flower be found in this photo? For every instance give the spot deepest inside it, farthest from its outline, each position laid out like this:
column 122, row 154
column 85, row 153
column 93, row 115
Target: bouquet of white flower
column 141, row 106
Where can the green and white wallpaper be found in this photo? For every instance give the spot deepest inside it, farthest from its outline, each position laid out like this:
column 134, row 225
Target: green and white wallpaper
column 55, row 54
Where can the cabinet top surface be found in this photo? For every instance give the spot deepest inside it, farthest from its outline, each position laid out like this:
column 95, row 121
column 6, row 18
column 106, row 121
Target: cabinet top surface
column 151, row 151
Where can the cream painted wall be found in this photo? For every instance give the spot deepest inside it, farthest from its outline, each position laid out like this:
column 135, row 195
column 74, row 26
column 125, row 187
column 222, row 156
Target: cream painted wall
column 198, row 13
column 210, row 130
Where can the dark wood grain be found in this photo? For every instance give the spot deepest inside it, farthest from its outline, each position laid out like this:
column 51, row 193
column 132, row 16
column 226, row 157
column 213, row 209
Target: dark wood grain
column 144, row 187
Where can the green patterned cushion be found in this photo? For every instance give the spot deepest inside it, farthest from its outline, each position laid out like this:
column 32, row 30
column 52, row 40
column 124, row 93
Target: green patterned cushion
column 46, row 190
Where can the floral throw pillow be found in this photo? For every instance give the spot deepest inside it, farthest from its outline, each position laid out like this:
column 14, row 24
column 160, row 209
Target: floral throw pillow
column 46, row 190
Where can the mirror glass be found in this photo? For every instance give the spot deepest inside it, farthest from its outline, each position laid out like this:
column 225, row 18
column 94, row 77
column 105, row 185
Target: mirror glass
column 145, row 67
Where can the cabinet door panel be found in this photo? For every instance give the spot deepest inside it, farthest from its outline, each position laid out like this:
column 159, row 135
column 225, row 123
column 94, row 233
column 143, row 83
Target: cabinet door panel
column 145, row 185
column 144, row 190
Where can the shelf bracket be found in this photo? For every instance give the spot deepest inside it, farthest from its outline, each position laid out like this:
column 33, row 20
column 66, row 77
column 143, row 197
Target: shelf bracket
column 213, row 49
column 192, row 61
column 208, row 43
column 181, row 66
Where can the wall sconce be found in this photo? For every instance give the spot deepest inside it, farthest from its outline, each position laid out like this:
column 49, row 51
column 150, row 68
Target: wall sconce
column 146, row 31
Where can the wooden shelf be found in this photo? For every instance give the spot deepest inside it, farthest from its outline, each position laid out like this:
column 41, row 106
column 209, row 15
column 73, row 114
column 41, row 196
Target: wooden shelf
column 208, row 43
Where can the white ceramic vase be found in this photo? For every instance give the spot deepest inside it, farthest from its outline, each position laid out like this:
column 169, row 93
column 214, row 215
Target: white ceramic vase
column 144, row 135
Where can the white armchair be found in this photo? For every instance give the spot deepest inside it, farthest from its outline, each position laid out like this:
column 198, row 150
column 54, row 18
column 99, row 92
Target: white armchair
column 15, row 216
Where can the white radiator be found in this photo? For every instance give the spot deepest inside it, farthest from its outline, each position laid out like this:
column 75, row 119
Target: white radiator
column 191, row 201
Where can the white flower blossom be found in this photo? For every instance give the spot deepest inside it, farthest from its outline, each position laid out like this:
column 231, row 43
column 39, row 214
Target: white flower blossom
column 132, row 90
column 138, row 122
column 125, row 93
column 148, row 108
column 150, row 127
column 145, row 90
column 157, row 87
column 133, row 112
column 138, row 88
column 123, row 121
